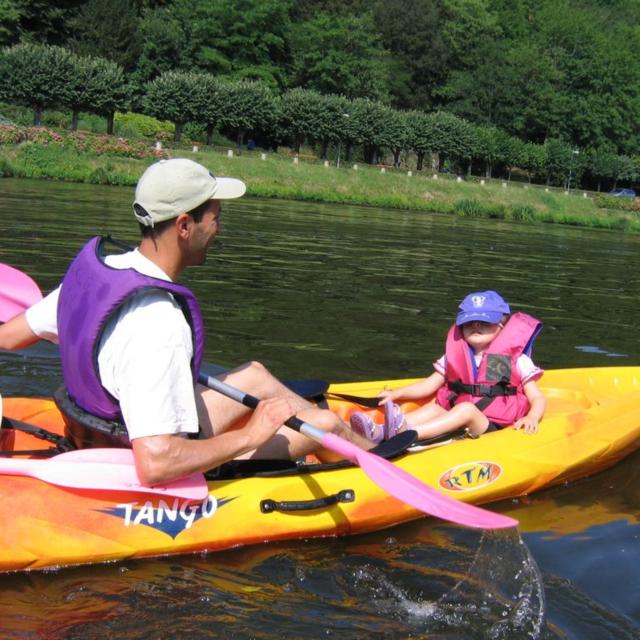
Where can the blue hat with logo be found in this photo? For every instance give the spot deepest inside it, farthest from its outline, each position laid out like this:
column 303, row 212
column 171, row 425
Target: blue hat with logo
column 485, row 306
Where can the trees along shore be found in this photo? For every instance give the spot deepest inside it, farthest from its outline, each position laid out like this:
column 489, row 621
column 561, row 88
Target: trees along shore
column 339, row 132
column 44, row 77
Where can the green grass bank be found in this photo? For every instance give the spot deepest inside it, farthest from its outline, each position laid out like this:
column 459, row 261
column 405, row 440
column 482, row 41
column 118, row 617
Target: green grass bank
column 100, row 160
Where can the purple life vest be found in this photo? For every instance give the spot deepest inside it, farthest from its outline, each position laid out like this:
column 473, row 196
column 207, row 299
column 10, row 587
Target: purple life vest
column 495, row 386
column 91, row 293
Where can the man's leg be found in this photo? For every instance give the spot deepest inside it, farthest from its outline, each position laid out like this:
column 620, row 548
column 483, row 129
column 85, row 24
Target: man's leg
column 217, row 413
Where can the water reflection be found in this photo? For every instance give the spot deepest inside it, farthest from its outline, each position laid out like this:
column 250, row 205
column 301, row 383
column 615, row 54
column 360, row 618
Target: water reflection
column 449, row 585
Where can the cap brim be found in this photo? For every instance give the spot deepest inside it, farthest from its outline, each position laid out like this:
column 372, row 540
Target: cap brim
column 493, row 317
column 228, row 189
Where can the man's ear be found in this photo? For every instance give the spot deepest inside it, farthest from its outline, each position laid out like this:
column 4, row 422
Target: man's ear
column 183, row 225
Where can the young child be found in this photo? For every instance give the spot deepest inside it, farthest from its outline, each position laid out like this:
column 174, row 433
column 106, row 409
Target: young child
column 485, row 381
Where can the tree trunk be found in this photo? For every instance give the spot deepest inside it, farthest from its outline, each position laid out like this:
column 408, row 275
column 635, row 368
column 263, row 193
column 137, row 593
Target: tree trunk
column 75, row 116
column 177, row 133
column 110, row 119
column 419, row 160
column 487, row 169
column 396, row 158
column 210, row 128
column 37, row 117
column 599, row 183
column 240, row 139
column 509, row 174
column 324, row 150
column 348, row 151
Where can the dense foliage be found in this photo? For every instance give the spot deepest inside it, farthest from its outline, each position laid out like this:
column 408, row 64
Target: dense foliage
column 488, row 85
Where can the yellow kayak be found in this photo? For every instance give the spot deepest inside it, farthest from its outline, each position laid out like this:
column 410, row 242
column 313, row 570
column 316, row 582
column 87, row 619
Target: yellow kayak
column 592, row 421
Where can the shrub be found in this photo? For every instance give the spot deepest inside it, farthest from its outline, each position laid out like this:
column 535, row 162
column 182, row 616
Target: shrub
column 137, row 125
column 471, row 208
column 6, row 170
column 468, row 208
column 524, row 213
column 606, row 201
column 79, row 142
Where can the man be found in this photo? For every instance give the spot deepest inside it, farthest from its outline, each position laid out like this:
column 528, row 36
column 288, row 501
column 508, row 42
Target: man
column 131, row 340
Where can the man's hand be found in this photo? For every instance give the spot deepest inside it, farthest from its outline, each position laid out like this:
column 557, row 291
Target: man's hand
column 268, row 417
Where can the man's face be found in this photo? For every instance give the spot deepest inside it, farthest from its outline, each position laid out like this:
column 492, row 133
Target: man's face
column 204, row 232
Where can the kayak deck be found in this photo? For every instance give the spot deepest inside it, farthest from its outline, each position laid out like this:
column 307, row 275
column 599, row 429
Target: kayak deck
column 592, row 421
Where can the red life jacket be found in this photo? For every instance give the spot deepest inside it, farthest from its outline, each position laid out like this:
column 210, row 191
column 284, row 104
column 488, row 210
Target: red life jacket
column 495, row 386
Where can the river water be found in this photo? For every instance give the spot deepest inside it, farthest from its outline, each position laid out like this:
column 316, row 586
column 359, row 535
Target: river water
column 352, row 293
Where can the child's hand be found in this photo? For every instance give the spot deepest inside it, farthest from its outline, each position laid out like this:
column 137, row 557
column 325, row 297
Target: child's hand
column 528, row 424
column 386, row 396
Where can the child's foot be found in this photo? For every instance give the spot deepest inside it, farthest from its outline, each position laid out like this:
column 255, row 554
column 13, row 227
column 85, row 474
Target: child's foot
column 394, row 421
column 364, row 425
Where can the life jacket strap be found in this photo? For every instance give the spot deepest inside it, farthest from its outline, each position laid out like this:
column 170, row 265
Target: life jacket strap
column 501, row 388
column 486, row 392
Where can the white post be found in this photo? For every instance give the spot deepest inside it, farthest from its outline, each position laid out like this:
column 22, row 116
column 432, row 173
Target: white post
column 435, row 176
column 458, row 179
column 263, row 156
column 383, row 170
column 482, row 182
column 584, row 194
column 546, row 189
column 355, row 167
column 195, row 148
column 230, row 153
column 326, row 164
column 504, row 185
column 295, row 159
column 158, row 145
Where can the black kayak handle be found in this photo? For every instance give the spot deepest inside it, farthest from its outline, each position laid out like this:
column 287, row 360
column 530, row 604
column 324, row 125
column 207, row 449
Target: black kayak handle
column 269, row 506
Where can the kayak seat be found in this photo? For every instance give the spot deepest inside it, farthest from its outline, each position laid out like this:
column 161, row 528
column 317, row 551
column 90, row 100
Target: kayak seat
column 86, row 431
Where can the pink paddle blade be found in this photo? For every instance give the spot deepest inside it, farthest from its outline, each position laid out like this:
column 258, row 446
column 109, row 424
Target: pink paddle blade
column 414, row 492
column 17, row 292
column 101, row 469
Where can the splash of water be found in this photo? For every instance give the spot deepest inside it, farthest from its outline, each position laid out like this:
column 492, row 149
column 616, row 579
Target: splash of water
column 499, row 596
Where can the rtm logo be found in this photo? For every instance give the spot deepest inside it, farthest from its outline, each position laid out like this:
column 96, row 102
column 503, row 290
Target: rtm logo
column 470, row 476
column 171, row 519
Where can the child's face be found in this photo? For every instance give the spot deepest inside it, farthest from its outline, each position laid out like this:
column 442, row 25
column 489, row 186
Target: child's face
column 480, row 334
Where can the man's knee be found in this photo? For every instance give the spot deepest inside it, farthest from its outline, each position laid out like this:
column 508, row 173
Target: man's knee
column 256, row 368
column 252, row 371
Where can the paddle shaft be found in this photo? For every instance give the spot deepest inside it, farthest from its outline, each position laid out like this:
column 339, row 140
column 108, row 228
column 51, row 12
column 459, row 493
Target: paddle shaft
column 252, row 402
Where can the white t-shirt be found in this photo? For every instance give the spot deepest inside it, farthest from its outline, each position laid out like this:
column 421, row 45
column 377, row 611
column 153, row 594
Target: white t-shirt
column 144, row 355
column 526, row 368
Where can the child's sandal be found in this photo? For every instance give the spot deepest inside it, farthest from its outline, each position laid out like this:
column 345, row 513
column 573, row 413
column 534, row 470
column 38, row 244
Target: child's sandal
column 364, row 425
column 394, row 420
